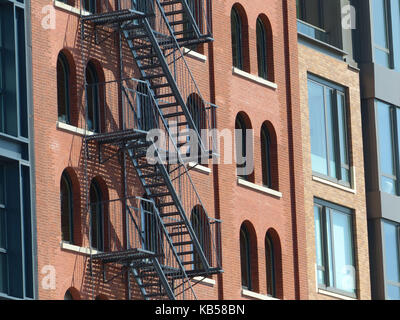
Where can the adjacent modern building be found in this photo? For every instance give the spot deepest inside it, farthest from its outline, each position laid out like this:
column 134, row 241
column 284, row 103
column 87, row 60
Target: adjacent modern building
column 378, row 53
column 335, row 205
column 17, row 218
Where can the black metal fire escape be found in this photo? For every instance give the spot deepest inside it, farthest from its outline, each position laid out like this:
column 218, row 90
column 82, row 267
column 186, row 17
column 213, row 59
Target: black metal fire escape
column 153, row 33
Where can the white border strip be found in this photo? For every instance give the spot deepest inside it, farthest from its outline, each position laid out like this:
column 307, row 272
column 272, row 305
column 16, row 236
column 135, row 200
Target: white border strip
column 194, row 54
column 259, row 188
column 256, row 79
column 206, row 281
column 197, row 167
column 334, row 295
column 77, row 249
column 255, row 295
column 67, row 7
column 73, row 129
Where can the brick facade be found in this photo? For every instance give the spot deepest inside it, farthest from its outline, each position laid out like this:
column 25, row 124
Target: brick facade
column 331, row 69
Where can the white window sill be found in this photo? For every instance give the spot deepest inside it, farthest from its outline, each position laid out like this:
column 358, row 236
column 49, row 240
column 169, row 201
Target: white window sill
column 334, row 295
column 256, row 187
column 332, row 184
column 77, row 249
column 253, row 78
column 195, row 55
column 197, row 167
column 71, row 9
column 73, row 129
column 254, row 295
column 206, row 281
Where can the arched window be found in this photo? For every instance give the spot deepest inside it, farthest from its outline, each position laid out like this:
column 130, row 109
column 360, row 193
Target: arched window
column 244, row 160
column 96, row 216
column 201, row 228
column 270, row 266
column 262, row 49
column 66, row 209
column 63, row 89
column 198, row 114
column 266, row 156
column 93, row 99
column 68, row 296
column 151, row 231
column 245, row 258
column 237, row 38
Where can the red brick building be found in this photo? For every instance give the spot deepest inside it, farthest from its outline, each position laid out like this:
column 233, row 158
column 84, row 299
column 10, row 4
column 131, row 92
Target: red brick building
column 251, row 226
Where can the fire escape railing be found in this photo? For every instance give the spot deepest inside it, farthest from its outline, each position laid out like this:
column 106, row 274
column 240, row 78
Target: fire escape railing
column 154, row 35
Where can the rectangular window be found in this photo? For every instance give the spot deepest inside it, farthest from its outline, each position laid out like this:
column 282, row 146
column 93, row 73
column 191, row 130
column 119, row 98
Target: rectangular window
column 381, row 32
column 334, row 248
column 392, row 261
column 328, row 130
column 388, row 128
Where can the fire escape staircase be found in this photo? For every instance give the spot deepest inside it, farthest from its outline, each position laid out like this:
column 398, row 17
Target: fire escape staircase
column 154, row 35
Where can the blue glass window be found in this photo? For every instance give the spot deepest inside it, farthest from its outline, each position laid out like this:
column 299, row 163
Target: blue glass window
column 392, row 261
column 96, row 215
column 328, row 131
column 63, row 92
column 380, row 20
column 334, row 248
column 261, row 49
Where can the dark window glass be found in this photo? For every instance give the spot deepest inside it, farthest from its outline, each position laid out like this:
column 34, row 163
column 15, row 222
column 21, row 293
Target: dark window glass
column 328, row 131
column 261, row 49
column 3, row 235
column 266, row 156
column 392, row 260
column 240, row 129
column 310, row 11
column 8, row 74
column 68, row 296
column 66, row 208
column 236, row 31
column 89, row 5
column 63, row 92
column 96, row 211
column 150, row 228
column 270, row 266
column 92, row 92
column 202, row 231
column 334, row 248
column 245, row 262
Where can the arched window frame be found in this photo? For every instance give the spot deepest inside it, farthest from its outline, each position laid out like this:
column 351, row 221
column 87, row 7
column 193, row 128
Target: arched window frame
column 202, row 230
column 245, row 258
column 92, row 98
column 262, row 52
column 270, row 266
column 67, row 213
column 96, row 216
column 63, row 89
column 237, row 39
column 266, row 157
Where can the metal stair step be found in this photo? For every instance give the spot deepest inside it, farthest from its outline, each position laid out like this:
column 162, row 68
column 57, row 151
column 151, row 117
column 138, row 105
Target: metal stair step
column 184, row 253
column 170, row 3
column 181, row 233
column 168, row 105
column 146, row 56
column 156, row 185
column 154, row 76
column 175, row 114
column 166, row 204
column 154, row 295
column 169, row 214
column 174, row 23
column 151, row 66
column 158, row 86
column 174, row 224
column 175, row 12
column 182, row 243
column 166, row 95
column 152, row 175
column 160, row 195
